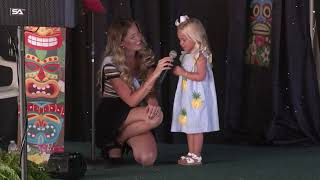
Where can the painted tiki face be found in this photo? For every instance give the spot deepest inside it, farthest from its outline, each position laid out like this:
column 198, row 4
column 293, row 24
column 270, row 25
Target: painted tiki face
column 42, row 76
column 259, row 32
column 44, row 122
column 43, row 38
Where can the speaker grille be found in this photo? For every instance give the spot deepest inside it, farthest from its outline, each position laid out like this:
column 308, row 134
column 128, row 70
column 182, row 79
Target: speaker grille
column 39, row 12
column 52, row 9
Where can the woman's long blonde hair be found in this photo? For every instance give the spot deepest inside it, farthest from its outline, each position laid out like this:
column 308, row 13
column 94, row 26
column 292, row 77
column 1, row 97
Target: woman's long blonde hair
column 195, row 30
column 115, row 35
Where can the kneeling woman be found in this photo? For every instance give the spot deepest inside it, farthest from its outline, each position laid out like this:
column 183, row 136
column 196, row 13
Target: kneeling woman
column 128, row 110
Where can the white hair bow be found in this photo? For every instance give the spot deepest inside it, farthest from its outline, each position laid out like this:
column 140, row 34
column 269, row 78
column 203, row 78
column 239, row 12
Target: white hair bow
column 181, row 20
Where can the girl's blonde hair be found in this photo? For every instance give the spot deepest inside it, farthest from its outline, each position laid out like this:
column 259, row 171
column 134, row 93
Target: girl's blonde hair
column 115, row 35
column 195, row 30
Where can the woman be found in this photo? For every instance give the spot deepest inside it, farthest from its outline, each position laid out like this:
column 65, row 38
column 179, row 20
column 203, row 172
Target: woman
column 129, row 109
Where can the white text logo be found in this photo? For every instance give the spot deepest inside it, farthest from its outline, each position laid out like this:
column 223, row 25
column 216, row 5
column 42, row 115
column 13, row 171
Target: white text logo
column 16, row 12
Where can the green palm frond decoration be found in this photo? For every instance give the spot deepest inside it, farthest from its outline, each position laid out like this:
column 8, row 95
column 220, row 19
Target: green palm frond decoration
column 6, row 172
column 10, row 168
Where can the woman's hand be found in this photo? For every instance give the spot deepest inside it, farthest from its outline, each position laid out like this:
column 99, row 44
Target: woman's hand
column 163, row 64
column 153, row 111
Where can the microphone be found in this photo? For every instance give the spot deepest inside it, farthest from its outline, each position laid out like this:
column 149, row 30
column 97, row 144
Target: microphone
column 172, row 55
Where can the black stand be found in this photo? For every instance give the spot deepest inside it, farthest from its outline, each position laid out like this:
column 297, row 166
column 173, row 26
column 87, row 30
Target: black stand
column 22, row 100
column 93, row 126
column 93, row 163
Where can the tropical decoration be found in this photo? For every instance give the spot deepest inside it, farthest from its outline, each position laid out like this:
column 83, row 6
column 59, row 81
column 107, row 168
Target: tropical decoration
column 184, row 84
column 10, row 168
column 45, row 91
column 94, row 5
column 258, row 51
column 183, row 117
column 196, row 102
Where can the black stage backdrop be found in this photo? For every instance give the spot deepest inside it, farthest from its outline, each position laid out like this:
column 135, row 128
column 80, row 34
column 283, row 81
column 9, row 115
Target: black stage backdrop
column 248, row 91
column 296, row 101
column 291, row 94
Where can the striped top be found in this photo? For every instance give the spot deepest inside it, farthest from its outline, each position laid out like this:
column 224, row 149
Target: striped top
column 110, row 71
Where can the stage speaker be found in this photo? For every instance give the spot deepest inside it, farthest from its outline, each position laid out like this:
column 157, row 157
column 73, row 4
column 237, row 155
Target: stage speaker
column 58, row 13
column 66, row 165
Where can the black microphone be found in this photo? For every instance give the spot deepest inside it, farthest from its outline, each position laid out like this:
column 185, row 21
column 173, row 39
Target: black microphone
column 172, row 55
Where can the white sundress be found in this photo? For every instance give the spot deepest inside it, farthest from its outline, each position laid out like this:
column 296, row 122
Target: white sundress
column 195, row 104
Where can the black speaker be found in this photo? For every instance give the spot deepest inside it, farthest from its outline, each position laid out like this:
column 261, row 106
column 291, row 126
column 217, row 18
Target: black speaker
column 66, row 165
column 59, row 13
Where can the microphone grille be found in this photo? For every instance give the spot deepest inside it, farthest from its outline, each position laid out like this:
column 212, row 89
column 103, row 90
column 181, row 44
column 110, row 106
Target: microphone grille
column 173, row 54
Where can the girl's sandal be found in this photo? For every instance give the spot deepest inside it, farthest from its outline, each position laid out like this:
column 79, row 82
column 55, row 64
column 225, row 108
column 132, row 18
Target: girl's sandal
column 190, row 160
column 184, row 157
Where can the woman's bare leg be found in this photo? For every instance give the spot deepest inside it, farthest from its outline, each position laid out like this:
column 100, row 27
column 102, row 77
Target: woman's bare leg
column 198, row 142
column 137, row 123
column 144, row 148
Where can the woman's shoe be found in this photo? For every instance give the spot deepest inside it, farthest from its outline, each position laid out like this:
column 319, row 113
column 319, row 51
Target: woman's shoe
column 126, row 149
column 105, row 152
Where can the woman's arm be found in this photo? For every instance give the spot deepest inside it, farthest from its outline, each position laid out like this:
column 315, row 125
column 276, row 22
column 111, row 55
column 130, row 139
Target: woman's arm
column 199, row 75
column 152, row 96
column 134, row 97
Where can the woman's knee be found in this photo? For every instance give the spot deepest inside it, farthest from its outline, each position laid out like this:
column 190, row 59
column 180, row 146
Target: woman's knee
column 146, row 159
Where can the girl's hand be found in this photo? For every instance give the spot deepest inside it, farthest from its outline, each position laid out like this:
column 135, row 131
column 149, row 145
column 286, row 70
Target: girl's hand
column 163, row 64
column 179, row 71
column 153, row 111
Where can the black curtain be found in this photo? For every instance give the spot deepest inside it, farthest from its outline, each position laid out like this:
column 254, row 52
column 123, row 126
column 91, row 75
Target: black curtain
column 294, row 98
column 317, row 12
column 296, row 101
column 248, row 89
column 77, row 75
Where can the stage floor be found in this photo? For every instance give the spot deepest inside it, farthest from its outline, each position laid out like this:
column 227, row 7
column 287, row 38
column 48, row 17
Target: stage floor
column 221, row 162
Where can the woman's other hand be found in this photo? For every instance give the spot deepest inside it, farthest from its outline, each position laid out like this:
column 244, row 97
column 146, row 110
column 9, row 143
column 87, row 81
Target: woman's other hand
column 153, row 111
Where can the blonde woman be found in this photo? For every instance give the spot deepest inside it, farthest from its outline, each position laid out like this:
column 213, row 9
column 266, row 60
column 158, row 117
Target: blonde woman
column 129, row 109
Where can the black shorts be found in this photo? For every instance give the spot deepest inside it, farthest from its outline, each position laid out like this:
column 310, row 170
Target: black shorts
column 110, row 115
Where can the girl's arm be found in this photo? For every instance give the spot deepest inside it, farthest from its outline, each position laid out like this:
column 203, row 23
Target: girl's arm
column 134, row 97
column 199, row 75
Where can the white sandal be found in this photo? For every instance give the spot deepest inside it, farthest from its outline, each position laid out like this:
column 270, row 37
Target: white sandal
column 190, row 160
column 188, row 155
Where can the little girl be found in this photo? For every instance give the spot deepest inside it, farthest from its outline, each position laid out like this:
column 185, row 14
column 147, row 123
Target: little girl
column 195, row 105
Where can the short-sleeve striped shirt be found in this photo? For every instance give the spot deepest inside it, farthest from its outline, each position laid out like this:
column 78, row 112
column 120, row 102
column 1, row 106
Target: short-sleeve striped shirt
column 110, row 71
